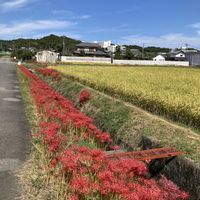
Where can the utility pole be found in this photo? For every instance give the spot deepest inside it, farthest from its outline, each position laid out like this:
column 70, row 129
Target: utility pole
column 63, row 51
column 1, row 47
column 143, row 50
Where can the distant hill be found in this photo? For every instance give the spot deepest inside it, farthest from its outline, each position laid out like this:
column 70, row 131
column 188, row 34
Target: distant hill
column 51, row 42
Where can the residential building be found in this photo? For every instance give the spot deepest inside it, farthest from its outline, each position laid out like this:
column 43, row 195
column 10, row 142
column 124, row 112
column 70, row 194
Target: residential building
column 47, row 57
column 177, row 55
column 112, row 48
column 105, row 44
column 159, row 58
column 89, row 49
column 191, row 55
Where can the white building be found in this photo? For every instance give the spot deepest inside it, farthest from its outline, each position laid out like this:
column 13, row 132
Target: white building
column 180, row 55
column 159, row 58
column 112, row 48
column 47, row 57
column 105, row 44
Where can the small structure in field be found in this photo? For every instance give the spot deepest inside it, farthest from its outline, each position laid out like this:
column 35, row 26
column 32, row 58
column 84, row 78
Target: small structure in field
column 47, row 57
column 159, row 58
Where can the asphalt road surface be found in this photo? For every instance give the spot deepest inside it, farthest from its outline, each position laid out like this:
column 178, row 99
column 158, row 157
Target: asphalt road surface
column 14, row 131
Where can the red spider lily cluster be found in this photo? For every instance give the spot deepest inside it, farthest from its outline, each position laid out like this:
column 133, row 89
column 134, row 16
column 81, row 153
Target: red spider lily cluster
column 49, row 72
column 84, row 96
column 86, row 173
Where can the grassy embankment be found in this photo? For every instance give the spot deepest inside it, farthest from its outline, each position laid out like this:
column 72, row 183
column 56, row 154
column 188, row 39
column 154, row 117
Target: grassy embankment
column 128, row 122
column 36, row 179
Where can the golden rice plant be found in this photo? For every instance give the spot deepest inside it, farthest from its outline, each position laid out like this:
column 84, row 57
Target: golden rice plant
column 172, row 92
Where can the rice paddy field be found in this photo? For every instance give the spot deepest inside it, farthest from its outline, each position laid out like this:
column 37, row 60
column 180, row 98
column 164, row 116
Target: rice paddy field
column 173, row 92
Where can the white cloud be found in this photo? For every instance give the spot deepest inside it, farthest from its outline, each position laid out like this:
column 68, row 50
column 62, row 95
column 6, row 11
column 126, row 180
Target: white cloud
column 168, row 40
column 70, row 14
column 82, row 17
column 13, row 5
column 32, row 27
column 195, row 25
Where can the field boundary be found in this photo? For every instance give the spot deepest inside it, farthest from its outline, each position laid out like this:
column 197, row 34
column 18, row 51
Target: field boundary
column 67, row 59
column 135, row 130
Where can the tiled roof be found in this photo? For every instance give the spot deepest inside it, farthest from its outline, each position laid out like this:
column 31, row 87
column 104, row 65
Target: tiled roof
column 87, row 44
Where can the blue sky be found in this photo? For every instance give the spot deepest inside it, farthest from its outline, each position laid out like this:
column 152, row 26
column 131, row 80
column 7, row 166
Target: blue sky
column 170, row 23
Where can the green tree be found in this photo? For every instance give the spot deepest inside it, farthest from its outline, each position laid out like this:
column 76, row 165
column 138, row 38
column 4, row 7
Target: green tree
column 128, row 54
column 118, row 53
column 22, row 54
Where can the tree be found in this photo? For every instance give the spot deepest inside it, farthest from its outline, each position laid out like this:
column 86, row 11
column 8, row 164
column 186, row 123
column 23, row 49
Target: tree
column 22, row 54
column 118, row 53
column 128, row 54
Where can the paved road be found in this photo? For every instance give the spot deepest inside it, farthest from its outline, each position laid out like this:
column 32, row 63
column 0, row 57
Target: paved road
column 14, row 131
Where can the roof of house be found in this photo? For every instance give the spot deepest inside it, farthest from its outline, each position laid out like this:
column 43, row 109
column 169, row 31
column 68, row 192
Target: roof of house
column 159, row 56
column 88, row 44
column 184, row 51
column 97, row 53
column 47, row 51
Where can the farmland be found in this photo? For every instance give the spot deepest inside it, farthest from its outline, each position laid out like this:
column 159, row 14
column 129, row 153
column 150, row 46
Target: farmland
column 167, row 91
column 70, row 151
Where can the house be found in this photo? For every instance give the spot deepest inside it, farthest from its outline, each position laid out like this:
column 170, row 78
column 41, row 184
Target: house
column 89, row 49
column 105, row 44
column 159, row 58
column 47, row 57
column 178, row 55
column 112, row 48
column 191, row 55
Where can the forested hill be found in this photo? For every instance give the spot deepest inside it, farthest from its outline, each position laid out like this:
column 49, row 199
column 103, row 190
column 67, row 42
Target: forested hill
column 51, row 42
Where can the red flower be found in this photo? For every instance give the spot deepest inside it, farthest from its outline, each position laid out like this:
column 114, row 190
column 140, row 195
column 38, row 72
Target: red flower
column 80, row 184
column 84, row 96
column 88, row 171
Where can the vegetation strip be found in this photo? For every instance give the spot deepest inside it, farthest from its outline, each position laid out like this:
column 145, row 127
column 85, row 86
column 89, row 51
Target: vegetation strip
column 84, row 172
column 139, row 129
column 167, row 91
column 128, row 122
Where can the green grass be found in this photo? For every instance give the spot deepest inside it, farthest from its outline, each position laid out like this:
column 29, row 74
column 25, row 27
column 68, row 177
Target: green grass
column 28, row 101
column 172, row 92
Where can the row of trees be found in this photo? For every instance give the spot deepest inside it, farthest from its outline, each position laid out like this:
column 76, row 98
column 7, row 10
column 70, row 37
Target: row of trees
column 22, row 54
column 25, row 49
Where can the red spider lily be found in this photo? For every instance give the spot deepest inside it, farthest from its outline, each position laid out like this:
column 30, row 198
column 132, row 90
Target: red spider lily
column 80, row 184
column 88, row 171
column 49, row 72
column 84, row 96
